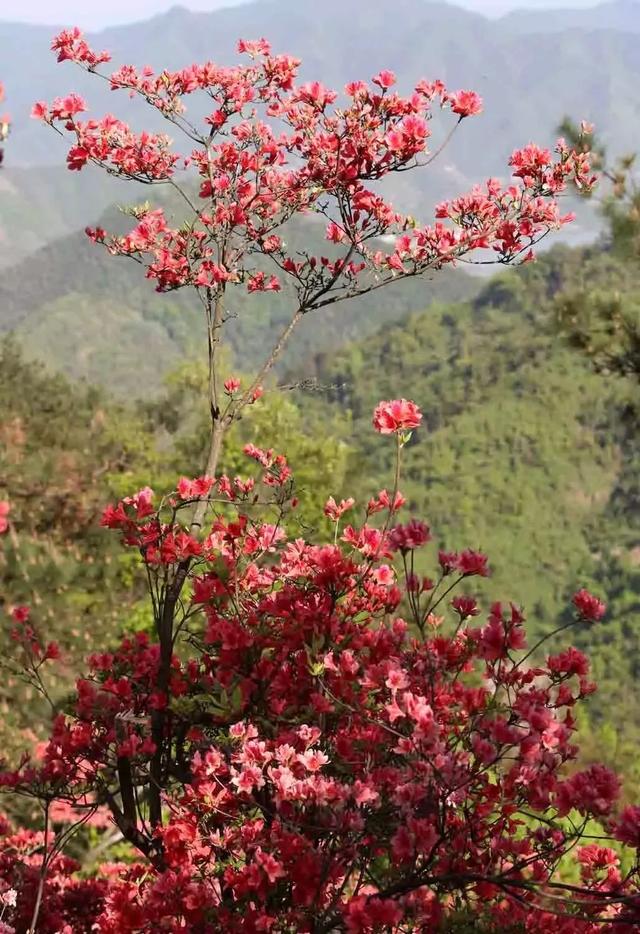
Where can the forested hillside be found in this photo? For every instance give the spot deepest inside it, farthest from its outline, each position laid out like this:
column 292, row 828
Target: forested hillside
column 74, row 316
column 526, row 452
column 40, row 205
column 516, row 424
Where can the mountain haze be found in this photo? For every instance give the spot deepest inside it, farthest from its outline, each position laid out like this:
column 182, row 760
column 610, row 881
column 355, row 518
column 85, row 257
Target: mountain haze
column 622, row 15
column 530, row 68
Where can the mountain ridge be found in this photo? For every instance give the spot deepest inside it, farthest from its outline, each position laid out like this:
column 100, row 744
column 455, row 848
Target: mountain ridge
column 617, row 15
column 439, row 39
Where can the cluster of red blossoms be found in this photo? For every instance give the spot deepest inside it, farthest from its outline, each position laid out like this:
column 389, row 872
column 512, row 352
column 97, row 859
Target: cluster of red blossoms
column 399, row 415
column 5, row 124
column 5, row 509
column 270, row 148
column 340, row 750
column 69, row 903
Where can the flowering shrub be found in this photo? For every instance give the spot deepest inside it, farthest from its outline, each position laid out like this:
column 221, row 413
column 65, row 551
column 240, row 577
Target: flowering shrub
column 47, row 890
column 315, row 738
column 341, row 748
column 5, row 509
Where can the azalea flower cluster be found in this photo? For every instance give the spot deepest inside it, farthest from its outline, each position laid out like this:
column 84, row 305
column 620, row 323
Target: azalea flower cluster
column 340, row 745
column 5, row 509
column 5, row 123
column 68, row 904
column 271, row 148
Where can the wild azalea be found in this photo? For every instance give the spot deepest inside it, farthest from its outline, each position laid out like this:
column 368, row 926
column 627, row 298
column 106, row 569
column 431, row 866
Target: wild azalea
column 269, row 149
column 588, row 606
column 311, row 710
column 396, row 416
column 5, row 509
column 312, row 737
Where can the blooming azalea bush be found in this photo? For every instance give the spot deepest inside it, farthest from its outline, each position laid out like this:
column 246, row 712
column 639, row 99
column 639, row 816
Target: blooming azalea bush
column 344, row 747
column 314, row 738
column 58, row 899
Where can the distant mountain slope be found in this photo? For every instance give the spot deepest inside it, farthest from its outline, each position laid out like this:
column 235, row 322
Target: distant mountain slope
column 95, row 317
column 529, row 80
column 532, row 70
column 621, row 15
column 38, row 205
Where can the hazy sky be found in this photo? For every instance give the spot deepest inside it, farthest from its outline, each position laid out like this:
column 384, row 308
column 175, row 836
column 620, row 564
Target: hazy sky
column 91, row 14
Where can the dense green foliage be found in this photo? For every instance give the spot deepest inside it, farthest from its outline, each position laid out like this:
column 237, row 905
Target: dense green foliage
column 603, row 322
column 63, row 451
column 518, row 454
